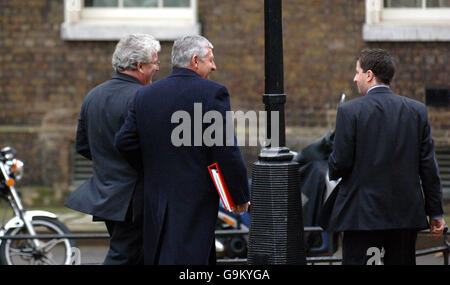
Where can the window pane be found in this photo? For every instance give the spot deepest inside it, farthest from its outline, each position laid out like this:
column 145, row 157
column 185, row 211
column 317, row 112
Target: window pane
column 101, row 3
column 438, row 3
column 140, row 3
column 177, row 3
column 403, row 3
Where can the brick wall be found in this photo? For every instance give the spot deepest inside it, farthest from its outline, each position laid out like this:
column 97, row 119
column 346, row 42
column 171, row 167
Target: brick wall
column 321, row 41
column 44, row 79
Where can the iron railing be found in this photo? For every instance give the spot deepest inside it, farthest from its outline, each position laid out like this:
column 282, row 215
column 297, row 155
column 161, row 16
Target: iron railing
column 330, row 259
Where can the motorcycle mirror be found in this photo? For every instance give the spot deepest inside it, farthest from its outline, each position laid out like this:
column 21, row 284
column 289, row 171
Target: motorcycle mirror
column 342, row 100
column 8, row 152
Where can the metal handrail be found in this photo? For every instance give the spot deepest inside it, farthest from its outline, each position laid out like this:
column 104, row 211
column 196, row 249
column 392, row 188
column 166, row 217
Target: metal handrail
column 445, row 248
column 50, row 236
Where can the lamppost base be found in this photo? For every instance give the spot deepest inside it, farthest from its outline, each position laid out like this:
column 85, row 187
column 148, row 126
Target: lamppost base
column 276, row 154
column 276, row 220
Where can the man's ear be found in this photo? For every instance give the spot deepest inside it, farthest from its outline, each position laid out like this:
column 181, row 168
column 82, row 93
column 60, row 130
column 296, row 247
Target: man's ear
column 194, row 61
column 370, row 75
column 139, row 67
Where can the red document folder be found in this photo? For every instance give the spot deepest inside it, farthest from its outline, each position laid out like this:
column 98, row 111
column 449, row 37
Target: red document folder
column 221, row 187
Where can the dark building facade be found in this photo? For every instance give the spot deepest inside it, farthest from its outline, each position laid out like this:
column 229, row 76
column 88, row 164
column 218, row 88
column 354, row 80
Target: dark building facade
column 47, row 67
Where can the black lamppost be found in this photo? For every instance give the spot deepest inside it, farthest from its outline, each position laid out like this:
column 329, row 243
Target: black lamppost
column 276, row 225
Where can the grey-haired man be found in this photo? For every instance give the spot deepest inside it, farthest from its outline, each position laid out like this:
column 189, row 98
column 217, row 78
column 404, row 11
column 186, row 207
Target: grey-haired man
column 180, row 202
column 114, row 192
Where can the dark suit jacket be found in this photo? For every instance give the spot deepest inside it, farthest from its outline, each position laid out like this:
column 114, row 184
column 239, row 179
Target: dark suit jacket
column 108, row 193
column 384, row 152
column 181, row 203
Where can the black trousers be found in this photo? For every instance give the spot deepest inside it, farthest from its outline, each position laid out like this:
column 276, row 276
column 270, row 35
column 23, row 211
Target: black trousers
column 364, row 247
column 126, row 242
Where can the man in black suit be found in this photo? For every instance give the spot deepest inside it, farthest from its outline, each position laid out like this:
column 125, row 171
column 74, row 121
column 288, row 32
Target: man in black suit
column 384, row 152
column 115, row 191
column 181, row 204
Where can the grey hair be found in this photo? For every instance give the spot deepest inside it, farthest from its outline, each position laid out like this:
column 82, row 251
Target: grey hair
column 186, row 47
column 132, row 49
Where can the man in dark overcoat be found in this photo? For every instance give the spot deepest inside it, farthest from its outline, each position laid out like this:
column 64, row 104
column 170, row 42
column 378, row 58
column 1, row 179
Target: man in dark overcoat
column 114, row 193
column 181, row 203
column 384, row 152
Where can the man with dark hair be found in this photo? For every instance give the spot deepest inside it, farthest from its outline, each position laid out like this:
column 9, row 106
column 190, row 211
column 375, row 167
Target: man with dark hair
column 380, row 63
column 384, row 153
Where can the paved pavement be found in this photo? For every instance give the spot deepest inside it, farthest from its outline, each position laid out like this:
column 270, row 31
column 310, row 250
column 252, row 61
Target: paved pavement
column 92, row 251
column 81, row 223
column 431, row 259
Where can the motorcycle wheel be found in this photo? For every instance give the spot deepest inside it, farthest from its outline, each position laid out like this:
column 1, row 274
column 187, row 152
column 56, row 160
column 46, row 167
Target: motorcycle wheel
column 51, row 251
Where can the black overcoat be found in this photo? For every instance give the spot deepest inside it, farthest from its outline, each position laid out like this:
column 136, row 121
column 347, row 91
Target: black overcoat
column 181, row 203
column 384, row 152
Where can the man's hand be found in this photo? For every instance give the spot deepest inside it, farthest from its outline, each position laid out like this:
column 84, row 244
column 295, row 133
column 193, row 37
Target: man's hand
column 241, row 208
column 437, row 228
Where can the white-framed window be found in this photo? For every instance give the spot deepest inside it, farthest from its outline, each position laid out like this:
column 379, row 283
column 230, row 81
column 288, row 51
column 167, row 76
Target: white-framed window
column 407, row 20
column 112, row 19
